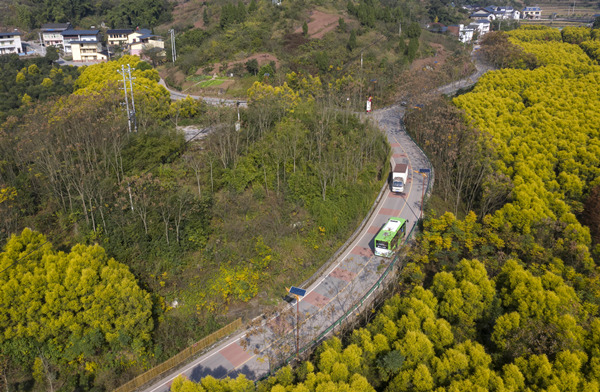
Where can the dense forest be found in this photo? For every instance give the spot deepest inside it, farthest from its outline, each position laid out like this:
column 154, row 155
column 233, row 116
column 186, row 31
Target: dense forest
column 24, row 82
column 209, row 224
column 506, row 298
column 32, row 14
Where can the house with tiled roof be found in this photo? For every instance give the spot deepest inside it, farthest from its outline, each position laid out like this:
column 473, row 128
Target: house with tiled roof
column 51, row 33
column 494, row 12
column 10, row 42
column 88, row 51
column 503, row 12
column 482, row 14
column 117, row 37
column 78, row 35
column 532, row 13
column 142, row 39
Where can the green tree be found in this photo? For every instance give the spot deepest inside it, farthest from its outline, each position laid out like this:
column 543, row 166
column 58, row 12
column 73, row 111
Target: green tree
column 413, row 30
column 252, row 66
column 252, row 7
column 51, row 53
column 305, row 29
column 265, row 70
column 412, row 49
column 351, row 45
column 76, row 307
column 205, row 17
column 342, row 26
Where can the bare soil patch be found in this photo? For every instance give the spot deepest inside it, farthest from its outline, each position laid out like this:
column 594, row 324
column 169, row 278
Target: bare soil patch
column 321, row 23
column 434, row 62
column 186, row 13
column 174, row 74
column 293, row 41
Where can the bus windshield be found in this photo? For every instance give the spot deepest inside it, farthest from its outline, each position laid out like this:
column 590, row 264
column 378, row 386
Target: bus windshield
column 381, row 244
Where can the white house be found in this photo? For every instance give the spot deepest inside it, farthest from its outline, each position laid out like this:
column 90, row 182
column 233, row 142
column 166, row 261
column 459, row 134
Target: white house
column 88, row 51
column 532, row 13
column 481, row 26
column 483, row 14
column 10, row 42
column 144, row 39
column 51, row 33
column 135, row 36
column 78, row 35
column 117, row 37
column 465, row 34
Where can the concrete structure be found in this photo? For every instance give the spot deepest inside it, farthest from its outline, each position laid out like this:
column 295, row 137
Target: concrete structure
column 494, row 12
column 135, row 36
column 503, row 12
column 88, row 51
column 532, row 13
column 483, row 14
column 117, row 37
column 51, row 33
column 78, row 35
column 10, row 43
column 144, row 39
column 481, row 26
column 465, row 34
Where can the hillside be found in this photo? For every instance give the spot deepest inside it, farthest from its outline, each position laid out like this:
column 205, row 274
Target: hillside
column 201, row 231
column 508, row 298
column 306, row 39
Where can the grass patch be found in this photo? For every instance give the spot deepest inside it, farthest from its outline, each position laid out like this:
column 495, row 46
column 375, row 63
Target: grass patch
column 197, row 78
column 209, row 83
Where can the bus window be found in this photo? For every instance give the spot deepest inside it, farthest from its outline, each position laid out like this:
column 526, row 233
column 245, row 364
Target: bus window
column 381, row 244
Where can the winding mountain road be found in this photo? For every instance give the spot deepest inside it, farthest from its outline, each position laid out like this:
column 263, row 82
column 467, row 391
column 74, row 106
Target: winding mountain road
column 330, row 296
column 356, row 270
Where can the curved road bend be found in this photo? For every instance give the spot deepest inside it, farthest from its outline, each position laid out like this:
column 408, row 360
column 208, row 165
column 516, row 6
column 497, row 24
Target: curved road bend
column 352, row 275
column 176, row 95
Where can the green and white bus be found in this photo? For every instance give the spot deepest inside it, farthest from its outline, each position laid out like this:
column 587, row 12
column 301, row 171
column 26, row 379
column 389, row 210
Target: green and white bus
column 390, row 236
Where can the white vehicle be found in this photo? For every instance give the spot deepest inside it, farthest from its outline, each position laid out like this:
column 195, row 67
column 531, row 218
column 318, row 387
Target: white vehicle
column 399, row 177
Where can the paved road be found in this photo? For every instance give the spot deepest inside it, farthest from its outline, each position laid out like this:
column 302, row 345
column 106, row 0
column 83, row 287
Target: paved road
column 176, row 95
column 481, row 67
column 352, row 275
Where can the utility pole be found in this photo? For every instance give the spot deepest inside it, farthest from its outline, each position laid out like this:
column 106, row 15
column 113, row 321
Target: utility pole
column 361, row 82
column 132, row 101
column 297, row 326
column 131, row 120
column 173, row 49
column 297, row 293
column 122, row 72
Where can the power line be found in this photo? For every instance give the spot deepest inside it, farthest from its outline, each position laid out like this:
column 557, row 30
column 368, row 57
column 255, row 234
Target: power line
column 173, row 49
column 17, row 261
